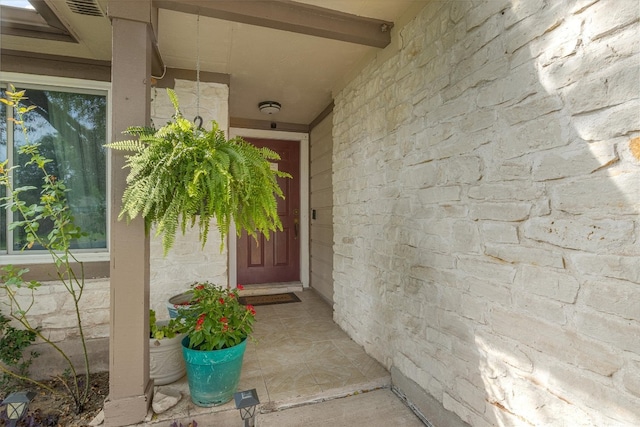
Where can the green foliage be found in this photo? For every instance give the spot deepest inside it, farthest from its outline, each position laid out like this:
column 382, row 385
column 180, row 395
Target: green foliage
column 159, row 331
column 53, row 209
column 181, row 174
column 13, row 345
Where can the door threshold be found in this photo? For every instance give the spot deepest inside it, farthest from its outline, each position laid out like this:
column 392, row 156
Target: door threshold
column 271, row 288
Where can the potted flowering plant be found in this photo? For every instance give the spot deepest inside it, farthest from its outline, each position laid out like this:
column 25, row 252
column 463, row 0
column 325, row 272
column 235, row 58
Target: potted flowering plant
column 215, row 319
column 217, row 327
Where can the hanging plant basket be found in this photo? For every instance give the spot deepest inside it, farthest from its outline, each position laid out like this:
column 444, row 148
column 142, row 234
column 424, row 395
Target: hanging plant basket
column 182, row 174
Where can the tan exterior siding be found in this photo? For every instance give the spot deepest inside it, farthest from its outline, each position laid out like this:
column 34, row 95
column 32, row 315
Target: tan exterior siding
column 321, row 201
column 56, row 66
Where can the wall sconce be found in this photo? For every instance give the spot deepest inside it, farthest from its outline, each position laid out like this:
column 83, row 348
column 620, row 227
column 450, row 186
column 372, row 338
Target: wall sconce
column 269, row 107
column 17, row 404
column 246, row 402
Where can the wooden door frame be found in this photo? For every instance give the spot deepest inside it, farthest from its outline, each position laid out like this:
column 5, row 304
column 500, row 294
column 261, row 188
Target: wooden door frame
column 232, row 240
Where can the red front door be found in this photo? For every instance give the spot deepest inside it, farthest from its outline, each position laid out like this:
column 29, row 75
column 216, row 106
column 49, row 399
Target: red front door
column 276, row 259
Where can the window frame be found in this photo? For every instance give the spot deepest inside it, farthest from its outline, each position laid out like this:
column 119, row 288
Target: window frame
column 72, row 85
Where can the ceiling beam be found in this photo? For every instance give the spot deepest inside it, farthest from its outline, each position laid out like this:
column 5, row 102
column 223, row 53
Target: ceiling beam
column 323, row 115
column 290, row 16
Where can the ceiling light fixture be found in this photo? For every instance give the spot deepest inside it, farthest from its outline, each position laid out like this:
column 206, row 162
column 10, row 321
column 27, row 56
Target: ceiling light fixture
column 269, row 107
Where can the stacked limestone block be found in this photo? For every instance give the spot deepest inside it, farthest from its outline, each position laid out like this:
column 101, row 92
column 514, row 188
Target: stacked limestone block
column 486, row 207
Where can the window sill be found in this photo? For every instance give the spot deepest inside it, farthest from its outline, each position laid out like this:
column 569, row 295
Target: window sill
column 45, row 258
column 42, row 268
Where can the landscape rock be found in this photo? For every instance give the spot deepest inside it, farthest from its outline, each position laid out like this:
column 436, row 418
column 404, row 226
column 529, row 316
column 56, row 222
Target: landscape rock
column 165, row 399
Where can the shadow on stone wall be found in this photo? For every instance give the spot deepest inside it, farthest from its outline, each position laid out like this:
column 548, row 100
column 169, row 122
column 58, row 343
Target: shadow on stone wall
column 486, row 210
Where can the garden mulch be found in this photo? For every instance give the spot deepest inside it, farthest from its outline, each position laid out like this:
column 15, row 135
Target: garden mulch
column 57, row 410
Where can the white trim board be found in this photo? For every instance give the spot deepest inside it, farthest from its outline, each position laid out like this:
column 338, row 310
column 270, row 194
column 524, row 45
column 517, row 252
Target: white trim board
column 304, row 200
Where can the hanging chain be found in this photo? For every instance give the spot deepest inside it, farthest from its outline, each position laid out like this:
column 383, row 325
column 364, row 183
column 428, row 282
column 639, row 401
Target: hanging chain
column 198, row 69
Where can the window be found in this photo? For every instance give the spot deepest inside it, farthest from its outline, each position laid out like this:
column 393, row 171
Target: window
column 71, row 126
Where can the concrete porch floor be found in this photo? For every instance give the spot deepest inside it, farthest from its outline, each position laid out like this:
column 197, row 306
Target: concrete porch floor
column 306, row 371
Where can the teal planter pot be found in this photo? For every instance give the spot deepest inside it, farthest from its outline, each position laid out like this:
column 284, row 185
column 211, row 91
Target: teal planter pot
column 213, row 375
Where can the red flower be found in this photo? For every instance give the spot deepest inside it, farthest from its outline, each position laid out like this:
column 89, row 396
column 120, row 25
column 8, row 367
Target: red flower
column 221, row 300
column 200, row 321
column 251, row 309
column 240, row 287
column 199, row 287
column 224, row 320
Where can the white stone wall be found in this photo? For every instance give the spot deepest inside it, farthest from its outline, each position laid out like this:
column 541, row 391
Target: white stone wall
column 53, row 309
column 486, row 207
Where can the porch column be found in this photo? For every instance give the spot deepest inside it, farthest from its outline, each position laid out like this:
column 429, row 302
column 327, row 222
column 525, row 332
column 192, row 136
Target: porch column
column 130, row 388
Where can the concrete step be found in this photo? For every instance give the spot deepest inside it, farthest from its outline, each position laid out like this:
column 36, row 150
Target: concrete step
column 271, row 288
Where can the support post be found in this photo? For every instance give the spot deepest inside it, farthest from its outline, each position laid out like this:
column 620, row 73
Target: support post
column 130, row 388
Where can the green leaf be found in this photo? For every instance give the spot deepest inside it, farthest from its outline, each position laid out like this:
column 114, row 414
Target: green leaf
column 180, row 175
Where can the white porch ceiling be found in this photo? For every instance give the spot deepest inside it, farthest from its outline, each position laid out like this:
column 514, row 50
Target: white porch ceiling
column 297, row 70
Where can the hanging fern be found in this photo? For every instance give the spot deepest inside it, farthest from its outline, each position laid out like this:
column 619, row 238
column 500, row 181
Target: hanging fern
column 181, row 174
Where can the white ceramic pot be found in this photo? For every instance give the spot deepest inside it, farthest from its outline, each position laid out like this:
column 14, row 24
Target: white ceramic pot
column 166, row 363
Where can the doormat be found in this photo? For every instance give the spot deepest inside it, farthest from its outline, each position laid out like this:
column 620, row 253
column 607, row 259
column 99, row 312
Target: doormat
column 269, row 299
